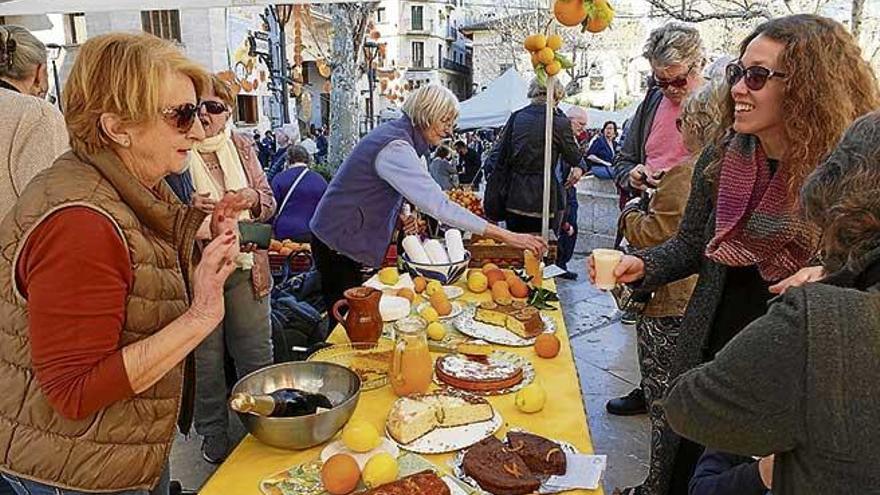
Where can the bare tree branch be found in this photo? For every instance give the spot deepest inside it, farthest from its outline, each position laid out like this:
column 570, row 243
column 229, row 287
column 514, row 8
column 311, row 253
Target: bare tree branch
column 858, row 10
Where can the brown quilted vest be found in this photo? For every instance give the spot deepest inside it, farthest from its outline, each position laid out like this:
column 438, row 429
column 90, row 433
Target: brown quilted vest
column 124, row 446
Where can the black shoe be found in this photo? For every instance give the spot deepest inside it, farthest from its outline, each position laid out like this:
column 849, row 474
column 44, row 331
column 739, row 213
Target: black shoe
column 628, row 405
column 569, row 276
column 215, row 448
column 629, row 318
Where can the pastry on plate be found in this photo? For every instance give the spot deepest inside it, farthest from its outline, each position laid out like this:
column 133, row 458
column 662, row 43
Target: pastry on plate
column 518, row 317
column 541, row 455
column 480, row 374
column 498, row 470
column 415, row 416
column 422, row 483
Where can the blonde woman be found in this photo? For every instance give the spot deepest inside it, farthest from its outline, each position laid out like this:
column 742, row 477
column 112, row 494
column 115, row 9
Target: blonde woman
column 101, row 304
column 32, row 132
column 356, row 217
column 227, row 161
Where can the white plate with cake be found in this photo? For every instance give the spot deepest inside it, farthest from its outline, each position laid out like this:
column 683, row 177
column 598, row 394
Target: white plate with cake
column 499, row 373
column 441, row 422
column 521, row 463
column 515, row 325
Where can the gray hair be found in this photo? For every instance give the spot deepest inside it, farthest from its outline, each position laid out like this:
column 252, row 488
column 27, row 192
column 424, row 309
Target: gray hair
column 298, row 154
column 674, row 43
column 430, row 104
column 538, row 92
column 20, row 53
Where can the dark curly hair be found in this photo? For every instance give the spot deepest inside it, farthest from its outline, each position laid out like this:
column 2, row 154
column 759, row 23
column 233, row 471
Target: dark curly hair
column 842, row 196
column 828, row 86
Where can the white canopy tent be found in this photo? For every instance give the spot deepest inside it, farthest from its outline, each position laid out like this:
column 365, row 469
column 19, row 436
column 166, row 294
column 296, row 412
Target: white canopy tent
column 492, row 107
column 38, row 7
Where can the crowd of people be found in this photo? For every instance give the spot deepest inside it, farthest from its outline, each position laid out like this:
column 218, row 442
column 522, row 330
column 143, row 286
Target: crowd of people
column 135, row 281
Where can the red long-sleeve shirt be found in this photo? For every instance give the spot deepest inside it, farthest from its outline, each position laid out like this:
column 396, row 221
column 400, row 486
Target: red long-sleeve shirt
column 76, row 274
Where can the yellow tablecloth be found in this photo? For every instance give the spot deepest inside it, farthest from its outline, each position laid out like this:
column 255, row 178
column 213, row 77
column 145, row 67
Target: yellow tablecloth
column 563, row 418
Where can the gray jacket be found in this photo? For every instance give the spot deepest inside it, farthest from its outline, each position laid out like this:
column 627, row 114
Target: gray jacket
column 682, row 256
column 798, row 382
column 632, row 151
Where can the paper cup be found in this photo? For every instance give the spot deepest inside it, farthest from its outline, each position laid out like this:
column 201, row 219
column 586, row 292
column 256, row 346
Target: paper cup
column 605, row 261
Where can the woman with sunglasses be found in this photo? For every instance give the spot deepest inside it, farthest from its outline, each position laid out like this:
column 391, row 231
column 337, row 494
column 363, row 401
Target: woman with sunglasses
column 227, row 161
column 653, row 145
column 356, row 218
column 799, row 82
column 101, row 302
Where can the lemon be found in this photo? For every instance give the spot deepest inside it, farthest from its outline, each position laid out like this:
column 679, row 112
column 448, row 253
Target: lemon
column 380, row 469
column 360, row 436
column 389, row 276
column 436, row 331
column 430, row 315
column 477, row 282
column 433, row 286
column 531, row 399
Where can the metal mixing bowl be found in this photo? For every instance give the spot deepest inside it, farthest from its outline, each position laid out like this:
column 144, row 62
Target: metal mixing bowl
column 338, row 383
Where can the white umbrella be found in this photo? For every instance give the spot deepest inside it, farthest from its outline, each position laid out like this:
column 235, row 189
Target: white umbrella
column 36, row 7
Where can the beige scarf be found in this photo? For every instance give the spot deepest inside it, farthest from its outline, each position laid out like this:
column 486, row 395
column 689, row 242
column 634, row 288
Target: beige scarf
column 233, row 175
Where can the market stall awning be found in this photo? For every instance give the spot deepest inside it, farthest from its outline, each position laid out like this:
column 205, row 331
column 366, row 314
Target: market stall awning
column 37, row 7
column 493, row 106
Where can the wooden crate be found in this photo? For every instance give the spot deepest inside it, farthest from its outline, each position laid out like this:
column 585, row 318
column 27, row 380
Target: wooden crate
column 501, row 254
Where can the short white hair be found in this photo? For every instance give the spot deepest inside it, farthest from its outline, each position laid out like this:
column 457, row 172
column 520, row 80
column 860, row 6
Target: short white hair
column 538, row 91
column 674, row 43
column 430, row 104
column 579, row 113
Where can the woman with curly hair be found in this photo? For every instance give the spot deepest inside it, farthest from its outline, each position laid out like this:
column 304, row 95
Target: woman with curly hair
column 659, row 327
column 799, row 82
column 796, row 382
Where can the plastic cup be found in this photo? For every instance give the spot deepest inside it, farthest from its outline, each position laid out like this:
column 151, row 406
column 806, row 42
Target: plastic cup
column 605, row 261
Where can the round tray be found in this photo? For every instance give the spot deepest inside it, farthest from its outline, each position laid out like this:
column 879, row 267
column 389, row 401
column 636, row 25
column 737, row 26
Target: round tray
column 528, row 375
column 345, row 354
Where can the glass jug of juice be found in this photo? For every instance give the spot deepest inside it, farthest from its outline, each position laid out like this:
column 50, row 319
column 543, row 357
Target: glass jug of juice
column 532, row 267
column 411, row 366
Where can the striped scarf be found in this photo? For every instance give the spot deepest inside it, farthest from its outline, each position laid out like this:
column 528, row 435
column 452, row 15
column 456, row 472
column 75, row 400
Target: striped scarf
column 755, row 223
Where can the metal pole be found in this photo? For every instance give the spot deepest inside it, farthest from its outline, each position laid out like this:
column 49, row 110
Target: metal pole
column 370, row 75
column 285, row 91
column 57, row 86
column 548, row 155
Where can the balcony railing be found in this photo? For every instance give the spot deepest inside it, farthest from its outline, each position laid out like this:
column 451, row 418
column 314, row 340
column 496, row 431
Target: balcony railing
column 454, row 66
column 426, row 26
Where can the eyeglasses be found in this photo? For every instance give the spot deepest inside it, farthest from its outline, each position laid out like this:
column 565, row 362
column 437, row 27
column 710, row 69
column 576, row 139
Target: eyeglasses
column 755, row 76
column 182, row 116
column 214, row 107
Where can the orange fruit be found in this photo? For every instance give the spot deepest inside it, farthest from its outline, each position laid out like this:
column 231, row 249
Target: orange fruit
column 546, row 55
column 501, row 293
column 569, row 12
column 518, row 288
column 340, row 474
column 535, row 42
column 406, row 293
column 547, row 345
column 440, row 302
column 494, row 276
column 535, row 61
column 596, row 25
column 489, row 266
column 420, row 284
column 554, row 41
column 553, row 68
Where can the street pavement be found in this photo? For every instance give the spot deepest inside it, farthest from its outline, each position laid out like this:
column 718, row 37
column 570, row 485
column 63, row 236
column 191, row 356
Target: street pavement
column 605, row 356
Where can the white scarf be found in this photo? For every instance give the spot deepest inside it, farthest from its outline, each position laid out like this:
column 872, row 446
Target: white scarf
column 233, row 175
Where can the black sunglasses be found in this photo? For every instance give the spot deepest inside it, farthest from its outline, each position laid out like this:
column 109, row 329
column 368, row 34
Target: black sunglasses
column 214, row 107
column 679, row 82
column 755, row 76
column 182, row 116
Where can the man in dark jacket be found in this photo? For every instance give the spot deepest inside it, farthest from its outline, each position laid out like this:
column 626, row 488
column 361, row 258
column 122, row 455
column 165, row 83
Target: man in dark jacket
column 469, row 161
column 515, row 189
column 632, row 149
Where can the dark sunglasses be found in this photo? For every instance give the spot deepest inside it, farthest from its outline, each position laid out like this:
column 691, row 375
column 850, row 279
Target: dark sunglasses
column 214, row 107
column 678, row 82
column 755, row 76
column 182, row 116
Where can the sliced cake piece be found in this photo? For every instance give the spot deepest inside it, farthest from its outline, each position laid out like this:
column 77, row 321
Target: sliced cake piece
column 411, row 418
column 463, row 409
column 422, row 483
column 475, row 348
column 497, row 470
column 543, row 456
column 477, row 373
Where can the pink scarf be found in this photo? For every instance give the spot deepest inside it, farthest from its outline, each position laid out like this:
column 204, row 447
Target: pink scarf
column 754, row 221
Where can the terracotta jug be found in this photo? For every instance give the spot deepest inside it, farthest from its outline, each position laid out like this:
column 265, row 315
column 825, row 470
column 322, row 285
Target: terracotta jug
column 362, row 322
